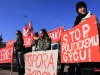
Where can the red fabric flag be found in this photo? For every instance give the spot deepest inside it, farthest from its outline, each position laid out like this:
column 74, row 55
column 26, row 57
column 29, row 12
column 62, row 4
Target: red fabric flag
column 28, row 30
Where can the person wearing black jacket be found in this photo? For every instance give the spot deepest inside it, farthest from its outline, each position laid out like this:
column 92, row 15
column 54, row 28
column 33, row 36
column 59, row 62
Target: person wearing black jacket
column 18, row 45
column 83, row 14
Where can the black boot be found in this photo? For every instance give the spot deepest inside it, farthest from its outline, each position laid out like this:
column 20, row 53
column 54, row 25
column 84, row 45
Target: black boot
column 71, row 69
column 21, row 71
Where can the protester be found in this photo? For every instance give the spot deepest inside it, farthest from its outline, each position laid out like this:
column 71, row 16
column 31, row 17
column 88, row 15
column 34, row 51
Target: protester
column 35, row 41
column 18, row 45
column 83, row 14
column 44, row 41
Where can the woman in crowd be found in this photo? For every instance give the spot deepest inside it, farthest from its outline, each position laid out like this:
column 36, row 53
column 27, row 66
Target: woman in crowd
column 44, row 41
column 19, row 52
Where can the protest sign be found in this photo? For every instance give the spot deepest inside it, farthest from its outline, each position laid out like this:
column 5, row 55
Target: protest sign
column 28, row 41
column 81, row 43
column 56, row 34
column 6, row 54
column 41, row 62
column 10, row 43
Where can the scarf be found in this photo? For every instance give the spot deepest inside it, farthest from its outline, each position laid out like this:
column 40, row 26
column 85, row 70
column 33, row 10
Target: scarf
column 79, row 18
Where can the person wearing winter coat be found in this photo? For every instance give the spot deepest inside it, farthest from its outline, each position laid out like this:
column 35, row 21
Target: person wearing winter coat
column 44, row 41
column 18, row 45
column 35, row 41
column 83, row 14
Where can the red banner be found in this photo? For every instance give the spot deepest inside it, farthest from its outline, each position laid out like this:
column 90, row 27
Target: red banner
column 81, row 43
column 56, row 34
column 6, row 54
column 28, row 30
column 28, row 41
column 10, row 43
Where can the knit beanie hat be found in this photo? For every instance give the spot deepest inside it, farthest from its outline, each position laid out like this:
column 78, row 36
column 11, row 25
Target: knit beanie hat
column 36, row 34
column 80, row 4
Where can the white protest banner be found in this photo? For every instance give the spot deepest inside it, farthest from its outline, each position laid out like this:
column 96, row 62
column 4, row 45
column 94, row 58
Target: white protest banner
column 41, row 63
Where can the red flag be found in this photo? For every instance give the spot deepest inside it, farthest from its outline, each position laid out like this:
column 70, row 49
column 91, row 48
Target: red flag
column 28, row 30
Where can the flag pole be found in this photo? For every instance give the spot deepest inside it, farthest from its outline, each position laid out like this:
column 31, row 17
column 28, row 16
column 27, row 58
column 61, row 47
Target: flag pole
column 25, row 19
column 11, row 68
column 12, row 62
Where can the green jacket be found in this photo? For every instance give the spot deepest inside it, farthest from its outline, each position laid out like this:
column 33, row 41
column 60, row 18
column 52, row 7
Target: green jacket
column 44, row 44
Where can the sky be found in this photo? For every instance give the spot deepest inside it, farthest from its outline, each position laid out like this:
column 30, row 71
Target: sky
column 48, row 14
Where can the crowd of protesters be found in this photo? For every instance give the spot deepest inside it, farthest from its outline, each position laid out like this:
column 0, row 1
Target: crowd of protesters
column 42, row 42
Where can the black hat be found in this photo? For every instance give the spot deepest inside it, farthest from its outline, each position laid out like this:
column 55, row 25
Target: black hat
column 36, row 34
column 80, row 4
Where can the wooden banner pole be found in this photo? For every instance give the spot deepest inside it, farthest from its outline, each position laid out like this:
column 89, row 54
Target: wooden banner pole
column 12, row 62
column 11, row 68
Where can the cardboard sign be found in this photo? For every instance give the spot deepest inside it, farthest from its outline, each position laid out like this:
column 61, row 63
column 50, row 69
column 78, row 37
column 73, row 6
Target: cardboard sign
column 56, row 34
column 41, row 63
column 6, row 54
column 28, row 41
column 81, row 43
